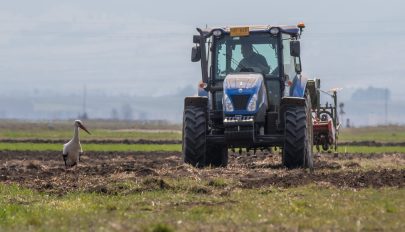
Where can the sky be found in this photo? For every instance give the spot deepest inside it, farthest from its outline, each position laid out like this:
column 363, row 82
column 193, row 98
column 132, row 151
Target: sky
column 143, row 47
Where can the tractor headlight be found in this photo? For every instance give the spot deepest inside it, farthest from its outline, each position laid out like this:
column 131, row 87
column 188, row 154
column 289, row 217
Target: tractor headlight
column 252, row 103
column 227, row 103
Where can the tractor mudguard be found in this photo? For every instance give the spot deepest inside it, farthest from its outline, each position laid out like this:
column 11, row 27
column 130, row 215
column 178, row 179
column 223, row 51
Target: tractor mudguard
column 196, row 101
column 302, row 84
column 298, row 86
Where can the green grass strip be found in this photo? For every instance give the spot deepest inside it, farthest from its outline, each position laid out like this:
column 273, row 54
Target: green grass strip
column 367, row 149
column 90, row 147
column 95, row 134
column 166, row 147
column 379, row 134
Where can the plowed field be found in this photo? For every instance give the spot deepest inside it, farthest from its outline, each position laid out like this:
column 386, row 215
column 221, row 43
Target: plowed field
column 98, row 171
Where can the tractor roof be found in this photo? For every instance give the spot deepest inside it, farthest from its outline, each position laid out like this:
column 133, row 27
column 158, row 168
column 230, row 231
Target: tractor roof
column 293, row 30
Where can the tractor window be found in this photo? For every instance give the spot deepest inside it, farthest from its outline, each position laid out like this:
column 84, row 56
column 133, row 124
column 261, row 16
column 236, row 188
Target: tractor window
column 255, row 53
column 289, row 68
column 221, row 61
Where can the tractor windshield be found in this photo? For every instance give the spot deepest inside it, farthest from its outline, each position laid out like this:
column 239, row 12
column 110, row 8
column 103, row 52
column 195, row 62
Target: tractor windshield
column 254, row 53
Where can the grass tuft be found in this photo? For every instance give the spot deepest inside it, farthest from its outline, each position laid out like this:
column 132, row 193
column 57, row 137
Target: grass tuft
column 218, row 183
column 161, row 228
column 155, row 184
column 197, row 189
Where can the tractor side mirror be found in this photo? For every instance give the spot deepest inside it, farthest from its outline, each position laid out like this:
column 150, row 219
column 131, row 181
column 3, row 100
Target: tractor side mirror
column 196, row 39
column 196, row 54
column 295, row 48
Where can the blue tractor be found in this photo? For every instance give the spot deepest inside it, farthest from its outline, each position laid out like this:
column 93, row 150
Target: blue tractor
column 252, row 96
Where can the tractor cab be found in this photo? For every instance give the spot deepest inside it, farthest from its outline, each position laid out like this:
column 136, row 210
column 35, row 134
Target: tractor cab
column 272, row 51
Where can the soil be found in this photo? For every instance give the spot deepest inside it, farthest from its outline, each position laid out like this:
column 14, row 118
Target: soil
column 45, row 171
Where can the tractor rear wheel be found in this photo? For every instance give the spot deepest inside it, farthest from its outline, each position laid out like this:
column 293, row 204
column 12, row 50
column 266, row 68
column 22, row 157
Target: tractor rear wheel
column 194, row 136
column 298, row 144
column 217, row 156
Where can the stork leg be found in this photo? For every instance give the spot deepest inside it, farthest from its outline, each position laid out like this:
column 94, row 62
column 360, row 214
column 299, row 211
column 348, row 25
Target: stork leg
column 64, row 159
column 80, row 155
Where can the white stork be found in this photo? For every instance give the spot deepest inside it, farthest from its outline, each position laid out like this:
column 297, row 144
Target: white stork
column 73, row 150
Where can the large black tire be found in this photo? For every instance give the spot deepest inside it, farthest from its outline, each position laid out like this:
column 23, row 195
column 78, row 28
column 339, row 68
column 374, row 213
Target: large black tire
column 298, row 144
column 194, row 136
column 217, row 156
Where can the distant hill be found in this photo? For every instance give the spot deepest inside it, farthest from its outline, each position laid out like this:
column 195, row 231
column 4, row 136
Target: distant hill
column 364, row 106
column 99, row 105
column 371, row 94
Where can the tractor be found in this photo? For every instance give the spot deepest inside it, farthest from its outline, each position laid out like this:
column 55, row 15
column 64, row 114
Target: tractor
column 252, row 96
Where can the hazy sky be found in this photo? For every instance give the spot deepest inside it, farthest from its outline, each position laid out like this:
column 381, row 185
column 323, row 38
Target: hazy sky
column 144, row 47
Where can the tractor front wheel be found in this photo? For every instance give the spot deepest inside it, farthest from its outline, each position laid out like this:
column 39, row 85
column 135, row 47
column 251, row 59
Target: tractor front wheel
column 194, row 136
column 298, row 144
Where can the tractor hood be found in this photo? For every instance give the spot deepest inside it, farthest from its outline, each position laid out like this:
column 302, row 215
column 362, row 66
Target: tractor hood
column 243, row 81
column 244, row 93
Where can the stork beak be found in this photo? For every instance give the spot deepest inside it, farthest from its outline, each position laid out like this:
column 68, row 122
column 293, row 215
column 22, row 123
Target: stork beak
column 84, row 128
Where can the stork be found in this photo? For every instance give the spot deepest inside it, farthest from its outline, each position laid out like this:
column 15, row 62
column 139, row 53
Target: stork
column 73, row 150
